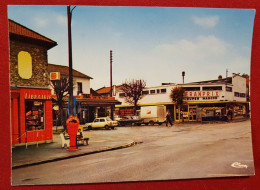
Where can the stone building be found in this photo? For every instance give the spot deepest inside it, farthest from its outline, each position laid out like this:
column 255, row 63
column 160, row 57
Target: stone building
column 31, row 105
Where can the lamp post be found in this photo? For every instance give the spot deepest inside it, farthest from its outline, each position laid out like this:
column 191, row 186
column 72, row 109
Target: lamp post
column 69, row 15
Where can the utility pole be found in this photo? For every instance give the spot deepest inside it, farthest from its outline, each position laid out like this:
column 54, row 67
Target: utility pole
column 111, row 82
column 69, row 15
column 111, row 85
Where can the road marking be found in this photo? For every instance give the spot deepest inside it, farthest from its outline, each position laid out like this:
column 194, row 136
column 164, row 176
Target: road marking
column 238, row 165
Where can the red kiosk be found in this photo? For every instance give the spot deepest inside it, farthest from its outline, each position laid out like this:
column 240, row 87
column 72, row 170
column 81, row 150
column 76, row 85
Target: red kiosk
column 72, row 127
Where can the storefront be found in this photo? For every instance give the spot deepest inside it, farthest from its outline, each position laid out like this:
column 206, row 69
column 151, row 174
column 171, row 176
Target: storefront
column 31, row 116
column 211, row 111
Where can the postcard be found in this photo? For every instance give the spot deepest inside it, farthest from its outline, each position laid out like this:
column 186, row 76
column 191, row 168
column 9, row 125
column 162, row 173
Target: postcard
column 107, row 94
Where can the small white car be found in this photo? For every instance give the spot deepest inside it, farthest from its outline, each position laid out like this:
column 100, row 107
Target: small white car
column 102, row 122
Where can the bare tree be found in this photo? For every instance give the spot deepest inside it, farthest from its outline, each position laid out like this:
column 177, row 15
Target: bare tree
column 133, row 91
column 61, row 89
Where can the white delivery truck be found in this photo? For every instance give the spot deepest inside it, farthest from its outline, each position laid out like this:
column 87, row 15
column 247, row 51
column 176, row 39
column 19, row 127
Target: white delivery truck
column 153, row 114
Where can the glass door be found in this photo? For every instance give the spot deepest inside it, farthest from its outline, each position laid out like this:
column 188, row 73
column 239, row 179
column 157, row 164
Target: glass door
column 192, row 113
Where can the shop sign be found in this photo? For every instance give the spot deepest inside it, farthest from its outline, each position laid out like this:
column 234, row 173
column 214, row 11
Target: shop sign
column 55, row 75
column 114, row 90
column 201, row 93
column 37, row 96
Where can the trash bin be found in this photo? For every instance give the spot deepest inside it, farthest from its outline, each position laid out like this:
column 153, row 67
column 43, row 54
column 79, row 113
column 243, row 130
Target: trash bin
column 72, row 127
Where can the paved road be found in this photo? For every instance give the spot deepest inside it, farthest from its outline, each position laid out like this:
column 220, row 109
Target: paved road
column 179, row 152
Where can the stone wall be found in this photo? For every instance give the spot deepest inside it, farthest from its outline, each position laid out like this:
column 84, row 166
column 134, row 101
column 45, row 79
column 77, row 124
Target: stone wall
column 39, row 65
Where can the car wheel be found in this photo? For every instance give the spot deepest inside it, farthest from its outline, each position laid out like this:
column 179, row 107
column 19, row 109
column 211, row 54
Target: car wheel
column 65, row 145
column 89, row 127
column 151, row 122
column 113, row 128
column 106, row 127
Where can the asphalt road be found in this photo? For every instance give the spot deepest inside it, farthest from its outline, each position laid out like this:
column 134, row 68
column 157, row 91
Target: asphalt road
column 163, row 153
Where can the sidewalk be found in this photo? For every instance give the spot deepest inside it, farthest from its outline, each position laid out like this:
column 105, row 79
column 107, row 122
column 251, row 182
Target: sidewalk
column 44, row 153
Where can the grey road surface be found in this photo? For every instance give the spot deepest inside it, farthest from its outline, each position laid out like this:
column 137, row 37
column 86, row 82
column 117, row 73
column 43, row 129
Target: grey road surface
column 180, row 152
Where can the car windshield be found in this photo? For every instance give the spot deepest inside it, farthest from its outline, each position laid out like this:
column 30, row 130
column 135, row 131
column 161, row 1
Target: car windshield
column 108, row 119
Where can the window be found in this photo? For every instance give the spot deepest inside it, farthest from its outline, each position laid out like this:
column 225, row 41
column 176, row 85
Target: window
column 196, row 88
column 152, row 91
column 145, row 92
column 228, row 89
column 79, row 88
column 212, row 88
column 102, row 120
column 242, row 95
column 24, row 65
column 34, row 115
column 121, row 95
column 96, row 120
column 236, row 94
column 163, row 90
column 158, row 91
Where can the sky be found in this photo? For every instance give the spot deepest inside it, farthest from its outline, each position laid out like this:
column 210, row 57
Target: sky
column 151, row 43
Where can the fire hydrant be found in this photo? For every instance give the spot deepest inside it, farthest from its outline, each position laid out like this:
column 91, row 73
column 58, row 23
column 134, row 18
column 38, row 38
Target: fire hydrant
column 72, row 127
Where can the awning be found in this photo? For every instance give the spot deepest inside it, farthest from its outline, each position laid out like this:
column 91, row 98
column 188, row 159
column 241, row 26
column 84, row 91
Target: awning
column 213, row 108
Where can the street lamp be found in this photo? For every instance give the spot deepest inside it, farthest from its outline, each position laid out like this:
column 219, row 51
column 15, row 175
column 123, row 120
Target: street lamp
column 69, row 14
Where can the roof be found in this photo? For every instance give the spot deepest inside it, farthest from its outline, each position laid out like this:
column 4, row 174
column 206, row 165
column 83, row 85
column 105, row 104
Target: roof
column 64, row 70
column 93, row 92
column 103, row 90
column 16, row 29
column 217, row 81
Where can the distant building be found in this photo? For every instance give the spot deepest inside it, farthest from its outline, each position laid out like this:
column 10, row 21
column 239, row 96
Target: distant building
column 204, row 98
column 80, row 80
column 31, row 105
column 89, row 103
column 104, row 91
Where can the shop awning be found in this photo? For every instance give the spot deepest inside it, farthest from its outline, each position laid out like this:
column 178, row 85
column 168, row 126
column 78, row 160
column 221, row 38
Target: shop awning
column 213, row 108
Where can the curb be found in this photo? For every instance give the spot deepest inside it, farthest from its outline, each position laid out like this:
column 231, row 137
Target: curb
column 74, row 156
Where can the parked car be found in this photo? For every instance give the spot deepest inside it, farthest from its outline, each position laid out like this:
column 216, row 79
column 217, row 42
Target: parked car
column 129, row 120
column 102, row 122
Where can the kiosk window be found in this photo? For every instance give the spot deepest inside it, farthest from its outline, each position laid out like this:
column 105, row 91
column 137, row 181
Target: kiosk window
column 34, row 115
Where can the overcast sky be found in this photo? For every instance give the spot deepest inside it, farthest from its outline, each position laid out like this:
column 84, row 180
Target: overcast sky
column 151, row 43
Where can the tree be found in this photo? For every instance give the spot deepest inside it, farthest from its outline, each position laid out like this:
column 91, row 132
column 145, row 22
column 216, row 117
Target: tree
column 177, row 95
column 61, row 89
column 133, row 91
column 245, row 75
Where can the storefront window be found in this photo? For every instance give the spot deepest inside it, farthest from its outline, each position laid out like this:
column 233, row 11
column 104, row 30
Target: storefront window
column 34, row 115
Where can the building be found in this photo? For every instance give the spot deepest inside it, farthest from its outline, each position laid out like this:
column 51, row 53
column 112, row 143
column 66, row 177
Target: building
column 88, row 103
column 31, row 105
column 201, row 99
column 80, row 80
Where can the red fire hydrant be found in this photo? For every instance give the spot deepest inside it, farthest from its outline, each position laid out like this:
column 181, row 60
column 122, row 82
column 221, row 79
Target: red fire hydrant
column 72, row 127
